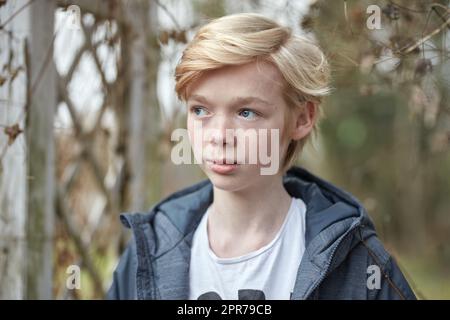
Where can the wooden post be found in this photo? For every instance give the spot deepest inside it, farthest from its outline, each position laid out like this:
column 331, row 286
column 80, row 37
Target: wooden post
column 144, row 116
column 41, row 152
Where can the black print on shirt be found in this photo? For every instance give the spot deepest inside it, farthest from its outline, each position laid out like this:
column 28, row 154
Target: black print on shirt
column 211, row 295
column 243, row 294
column 249, row 294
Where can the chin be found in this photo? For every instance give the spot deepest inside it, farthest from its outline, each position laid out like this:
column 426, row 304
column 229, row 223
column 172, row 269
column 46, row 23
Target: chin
column 225, row 183
column 230, row 182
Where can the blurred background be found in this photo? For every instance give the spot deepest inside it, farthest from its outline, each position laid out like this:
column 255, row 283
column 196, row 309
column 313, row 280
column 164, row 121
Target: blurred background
column 87, row 108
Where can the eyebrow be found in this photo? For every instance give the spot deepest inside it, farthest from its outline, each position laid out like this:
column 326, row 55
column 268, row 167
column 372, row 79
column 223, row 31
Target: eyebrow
column 234, row 101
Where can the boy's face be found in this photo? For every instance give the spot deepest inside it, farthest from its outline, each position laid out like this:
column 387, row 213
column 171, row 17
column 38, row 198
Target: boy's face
column 234, row 115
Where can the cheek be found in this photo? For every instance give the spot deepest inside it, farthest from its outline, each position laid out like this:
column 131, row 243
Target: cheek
column 190, row 129
column 282, row 122
column 194, row 126
column 194, row 133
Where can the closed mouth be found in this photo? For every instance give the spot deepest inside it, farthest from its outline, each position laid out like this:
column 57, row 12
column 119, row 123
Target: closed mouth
column 223, row 162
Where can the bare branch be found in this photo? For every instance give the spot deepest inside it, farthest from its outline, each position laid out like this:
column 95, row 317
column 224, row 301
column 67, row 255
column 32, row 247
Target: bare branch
column 422, row 40
column 62, row 211
column 15, row 14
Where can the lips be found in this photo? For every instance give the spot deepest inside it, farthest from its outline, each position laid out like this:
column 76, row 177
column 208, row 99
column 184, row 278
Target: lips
column 221, row 167
column 222, row 161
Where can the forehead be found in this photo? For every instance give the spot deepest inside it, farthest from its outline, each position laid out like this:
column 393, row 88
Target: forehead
column 260, row 79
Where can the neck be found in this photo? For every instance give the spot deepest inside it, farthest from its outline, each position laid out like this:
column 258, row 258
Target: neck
column 247, row 218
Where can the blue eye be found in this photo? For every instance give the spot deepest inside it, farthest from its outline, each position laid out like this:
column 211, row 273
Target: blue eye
column 199, row 111
column 247, row 114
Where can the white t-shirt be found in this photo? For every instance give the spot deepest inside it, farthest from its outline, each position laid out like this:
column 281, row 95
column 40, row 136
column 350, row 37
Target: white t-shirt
column 267, row 273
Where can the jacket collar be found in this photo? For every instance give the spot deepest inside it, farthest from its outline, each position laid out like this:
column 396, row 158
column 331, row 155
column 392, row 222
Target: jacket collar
column 167, row 231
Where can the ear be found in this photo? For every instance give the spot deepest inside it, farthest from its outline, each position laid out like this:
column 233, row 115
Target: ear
column 305, row 118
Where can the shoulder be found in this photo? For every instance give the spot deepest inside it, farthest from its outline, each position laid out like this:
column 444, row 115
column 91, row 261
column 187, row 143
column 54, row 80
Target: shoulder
column 370, row 271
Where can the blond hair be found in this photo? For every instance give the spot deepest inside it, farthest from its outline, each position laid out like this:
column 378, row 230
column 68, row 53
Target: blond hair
column 247, row 37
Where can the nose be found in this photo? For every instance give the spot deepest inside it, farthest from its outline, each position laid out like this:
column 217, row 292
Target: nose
column 223, row 131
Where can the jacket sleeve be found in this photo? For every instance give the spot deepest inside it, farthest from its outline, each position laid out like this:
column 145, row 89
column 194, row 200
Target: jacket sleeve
column 123, row 285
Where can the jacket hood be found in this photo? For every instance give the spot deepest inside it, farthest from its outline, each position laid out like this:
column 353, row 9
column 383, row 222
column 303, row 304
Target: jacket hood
column 334, row 219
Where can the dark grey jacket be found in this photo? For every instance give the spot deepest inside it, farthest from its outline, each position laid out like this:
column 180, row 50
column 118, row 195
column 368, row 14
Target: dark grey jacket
column 342, row 260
